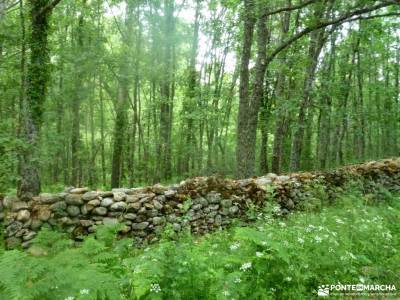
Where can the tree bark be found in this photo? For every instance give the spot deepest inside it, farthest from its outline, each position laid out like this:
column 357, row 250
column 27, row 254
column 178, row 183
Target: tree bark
column 37, row 79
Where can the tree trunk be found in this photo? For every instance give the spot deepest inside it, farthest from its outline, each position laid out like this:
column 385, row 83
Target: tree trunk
column 37, row 79
column 316, row 43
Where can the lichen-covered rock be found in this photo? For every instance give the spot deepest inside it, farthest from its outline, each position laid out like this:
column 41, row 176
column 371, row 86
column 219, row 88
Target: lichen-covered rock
column 119, row 196
column 89, row 196
column 9, row 200
column 140, row 226
column 58, row 206
column 79, row 190
column 19, row 205
column 73, row 210
column 23, row 215
column 118, row 206
column 74, row 199
column 101, row 211
column 47, row 198
column 106, row 202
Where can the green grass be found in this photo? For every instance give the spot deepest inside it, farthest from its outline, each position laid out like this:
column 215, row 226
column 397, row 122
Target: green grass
column 350, row 242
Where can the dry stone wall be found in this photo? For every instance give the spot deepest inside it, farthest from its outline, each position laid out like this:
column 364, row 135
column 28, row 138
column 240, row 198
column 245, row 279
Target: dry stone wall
column 203, row 204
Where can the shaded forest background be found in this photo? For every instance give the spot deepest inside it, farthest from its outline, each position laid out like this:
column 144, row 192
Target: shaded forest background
column 114, row 93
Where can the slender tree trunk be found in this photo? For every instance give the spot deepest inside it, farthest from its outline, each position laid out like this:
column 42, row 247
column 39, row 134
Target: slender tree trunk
column 78, row 93
column 249, row 106
column 316, row 43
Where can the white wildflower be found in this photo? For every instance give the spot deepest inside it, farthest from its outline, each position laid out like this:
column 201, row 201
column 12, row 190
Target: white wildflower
column 300, row 240
column 282, row 224
column 155, row 287
column 286, row 243
column 245, row 266
column 226, row 293
column 276, row 209
column 264, row 243
column 84, row 292
column 351, row 255
column 288, row 279
column 70, row 298
column 234, row 246
column 259, row 254
column 237, row 280
column 331, row 250
column 318, row 239
column 272, row 289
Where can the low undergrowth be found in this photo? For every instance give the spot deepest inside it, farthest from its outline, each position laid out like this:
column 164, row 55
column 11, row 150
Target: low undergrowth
column 355, row 240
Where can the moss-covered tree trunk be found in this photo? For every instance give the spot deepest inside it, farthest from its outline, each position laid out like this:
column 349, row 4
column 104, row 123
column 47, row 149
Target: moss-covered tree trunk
column 32, row 109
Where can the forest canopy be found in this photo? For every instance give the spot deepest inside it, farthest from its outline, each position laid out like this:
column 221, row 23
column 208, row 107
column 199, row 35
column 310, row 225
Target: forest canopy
column 117, row 93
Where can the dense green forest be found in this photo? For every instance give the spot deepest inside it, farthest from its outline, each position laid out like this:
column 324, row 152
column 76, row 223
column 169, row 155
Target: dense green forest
column 115, row 93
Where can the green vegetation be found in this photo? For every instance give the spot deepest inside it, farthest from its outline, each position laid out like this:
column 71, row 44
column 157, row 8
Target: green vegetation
column 355, row 240
column 131, row 92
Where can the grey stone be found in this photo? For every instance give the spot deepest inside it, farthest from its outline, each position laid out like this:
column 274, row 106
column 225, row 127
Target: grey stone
column 263, row 181
column 94, row 202
column 176, row 226
column 157, row 205
column 106, row 202
column 121, row 190
column 119, row 196
column 133, row 207
column 213, row 197
column 58, row 206
column 46, row 198
column 226, row 203
column 13, row 228
column 101, row 211
column 110, row 221
column 79, row 190
column 196, row 207
column 118, row 206
column 152, row 212
column 214, row 207
column 92, row 229
column 26, row 244
column 19, row 205
column 282, row 178
column 218, row 220
column 86, row 223
column 84, row 210
column 132, row 198
column 130, row 216
column 36, row 224
column 140, row 226
column 44, row 214
column 90, row 196
column 74, row 199
column 29, row 235
column 158, row 220
column 73, row 210
column 106, row 194
column 233, row 210
column 169, row 193
column 158, row 189
column 202, row 201
column 23, row 215
column 115, row 214
column 9, row 200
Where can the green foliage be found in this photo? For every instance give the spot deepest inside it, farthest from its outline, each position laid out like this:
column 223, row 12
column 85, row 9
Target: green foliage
column 350, row 242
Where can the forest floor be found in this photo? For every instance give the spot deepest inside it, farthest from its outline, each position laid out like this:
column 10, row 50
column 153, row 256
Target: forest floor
column 354, row 241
